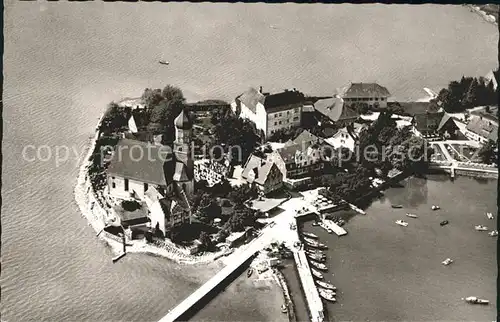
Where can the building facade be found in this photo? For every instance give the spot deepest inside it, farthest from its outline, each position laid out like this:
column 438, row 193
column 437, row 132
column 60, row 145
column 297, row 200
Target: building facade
column 270, row 112
column 265, row 174
column 370, row 93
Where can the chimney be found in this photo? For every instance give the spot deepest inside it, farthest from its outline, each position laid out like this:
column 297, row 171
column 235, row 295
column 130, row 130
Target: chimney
column 260, row 89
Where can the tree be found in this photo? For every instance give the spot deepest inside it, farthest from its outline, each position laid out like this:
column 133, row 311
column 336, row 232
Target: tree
column 151, row 97
column 242, row 193
column 487, row 152
column 205, row 240
column 115, row 118
column 470, row 97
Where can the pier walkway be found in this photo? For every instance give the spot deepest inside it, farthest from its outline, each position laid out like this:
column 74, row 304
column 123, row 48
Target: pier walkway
column 313, row 300
column 236, row 260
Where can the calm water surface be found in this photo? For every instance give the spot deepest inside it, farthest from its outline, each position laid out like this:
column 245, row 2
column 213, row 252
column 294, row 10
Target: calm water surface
column 392, row 273
column 63, row 62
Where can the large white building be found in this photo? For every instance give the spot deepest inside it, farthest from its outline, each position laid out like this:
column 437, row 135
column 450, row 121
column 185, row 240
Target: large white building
column 270, row 112
column 370, row 93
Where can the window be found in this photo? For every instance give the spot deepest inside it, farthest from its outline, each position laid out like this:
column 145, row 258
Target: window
column 113, row 185
column 287, row 112
column 275, row 123
column 382, row 98
column 296, row 118
column 376, row 98
column 342, row 141
column 145, row 187
column 297, row 110
column 126, row 184
column 280, row 122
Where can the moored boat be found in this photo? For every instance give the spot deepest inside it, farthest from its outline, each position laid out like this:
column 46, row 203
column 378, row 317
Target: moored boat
column 444, row 223
column 315, row 252
column 480, row 228
column 249, row 272
column 164, row 62
column 284, row 309
column 493, row 233
column 447, row 261
column 315, row 257
column 310, row 235
column 327, row 295
column 397, row 206
column 411, row 216
column 489, row 215
column 316, row 273
column 326, row 285
column 435, row 207
column 475, row 300
column 319, row 266
column 401, row 223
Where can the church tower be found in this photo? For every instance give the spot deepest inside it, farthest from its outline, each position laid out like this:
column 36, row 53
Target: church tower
column 184, row 165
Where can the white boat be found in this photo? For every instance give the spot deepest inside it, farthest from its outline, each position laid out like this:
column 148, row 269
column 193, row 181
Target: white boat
column 316, row 273
column 327, row 296
column 317, row 258
column 164, row 62
column 480, row 228
column 310, row 240
column 310, row 235
column 316, row 252
column 402, row 223
column 447, row 261
column 493, row 233
column 489, row 215
column 326, row 285
column 475, row 300
column 411, row 216
column 319, row 266
column 435, row 207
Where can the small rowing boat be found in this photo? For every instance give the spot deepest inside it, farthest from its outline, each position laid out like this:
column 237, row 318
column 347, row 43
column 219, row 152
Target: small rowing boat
column 447, row 261
column 411, row 216
column 326, row 285
column 397, row 206
column 317, row 258
column 493, row 233
column 475, row 300
column 435, row 207
column 316, row 273
column 401, row 223
column 444, row 223
column 164, row 62
column 319, row 266
column 480, row 228
column 249, row 272
column 327, row 295
column 489, row 215
column 310, row 235
column 284, row 309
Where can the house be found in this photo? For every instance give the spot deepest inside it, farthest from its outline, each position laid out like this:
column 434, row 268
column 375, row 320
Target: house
column 334, row 110
column 346, row 137
column 132, row 126
column 481, row 130
column 265, row 174
column 138, row 169
column 302, row 156
column 426, row 124
column 370, row 93
column 270, row 112
column 211, row 171
column 449, row 127
column 493, row 76
column 489, row 113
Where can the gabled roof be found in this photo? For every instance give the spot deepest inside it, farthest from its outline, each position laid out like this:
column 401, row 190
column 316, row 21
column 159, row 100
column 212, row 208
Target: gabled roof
column 141, row 161
column 427, row 122
column 484, row 128
column 306, row 139
column 444, row 120
column 366, row 90
column 273, row 102
column 260, row 167
column 335, row 109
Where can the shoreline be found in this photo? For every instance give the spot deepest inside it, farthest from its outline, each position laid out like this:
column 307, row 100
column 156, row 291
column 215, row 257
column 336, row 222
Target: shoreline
column 483, row 14
column 91, row 210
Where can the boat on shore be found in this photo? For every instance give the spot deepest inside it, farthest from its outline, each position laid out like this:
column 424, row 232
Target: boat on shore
column 164, row 62
column 317, row 258
column 319, row 266
column 475, row 300
column 327, row 295
column 326, row 285
column 493, row 233
column 310, row 235
column 447, row 261
column 397, row 206
column 316, row 273
column 480, row 228
column 401, row 223
column 489, row 215
column 249, row 272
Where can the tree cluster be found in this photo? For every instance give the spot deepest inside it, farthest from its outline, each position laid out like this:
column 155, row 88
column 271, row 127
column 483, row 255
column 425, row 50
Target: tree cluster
column 162, row 107
column 235, row 135
column 487, row 154
column 243, row 193
column 241, row 218
column 115, row 118
column 467, row 93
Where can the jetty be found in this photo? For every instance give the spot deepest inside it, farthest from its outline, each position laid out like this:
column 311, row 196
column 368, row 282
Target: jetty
column 235, row 262
column 313, row 299
column 334, row 227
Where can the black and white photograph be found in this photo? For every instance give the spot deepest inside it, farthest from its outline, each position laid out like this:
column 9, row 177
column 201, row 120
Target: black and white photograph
column 256, row 162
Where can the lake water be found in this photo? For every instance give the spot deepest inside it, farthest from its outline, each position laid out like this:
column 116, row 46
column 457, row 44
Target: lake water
column 385, row 272
column 63, row 62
